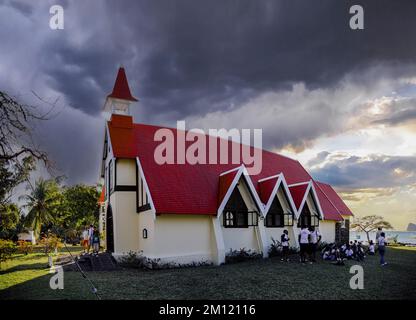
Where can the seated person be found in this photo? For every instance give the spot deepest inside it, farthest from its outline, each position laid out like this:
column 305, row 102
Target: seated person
column 371, row 249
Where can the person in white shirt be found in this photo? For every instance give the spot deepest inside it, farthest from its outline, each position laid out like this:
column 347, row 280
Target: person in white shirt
column 85, row 237
column 90, row 236
column 371, row 248
column 304, row 243
column 284, row 239
column 382, row 248
column 315, row 237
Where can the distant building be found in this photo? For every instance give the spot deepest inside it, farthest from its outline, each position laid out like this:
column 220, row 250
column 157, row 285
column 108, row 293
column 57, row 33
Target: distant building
column 27, row 236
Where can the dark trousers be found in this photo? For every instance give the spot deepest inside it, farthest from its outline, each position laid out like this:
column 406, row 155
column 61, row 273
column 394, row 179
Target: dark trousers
column 303, row 251
column 382, row 251
column 312, row 251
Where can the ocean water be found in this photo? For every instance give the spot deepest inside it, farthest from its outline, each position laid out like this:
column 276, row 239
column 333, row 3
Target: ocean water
column 408, row 237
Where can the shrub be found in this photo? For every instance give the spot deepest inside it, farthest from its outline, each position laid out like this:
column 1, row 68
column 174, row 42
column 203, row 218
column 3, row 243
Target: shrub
column 276, row 249
column 24, row 247
column 241, row 255
column 138, row 261
column 50, row 243
column 7, row 249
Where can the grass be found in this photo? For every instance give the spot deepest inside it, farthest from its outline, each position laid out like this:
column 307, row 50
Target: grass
column 26, row 277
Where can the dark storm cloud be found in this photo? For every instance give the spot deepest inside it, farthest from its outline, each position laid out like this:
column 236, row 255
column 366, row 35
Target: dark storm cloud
column 190, row 58
column 204, row 56
column 376, row 171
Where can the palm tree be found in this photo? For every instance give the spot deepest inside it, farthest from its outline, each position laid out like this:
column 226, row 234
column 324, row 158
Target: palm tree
column 42, row 204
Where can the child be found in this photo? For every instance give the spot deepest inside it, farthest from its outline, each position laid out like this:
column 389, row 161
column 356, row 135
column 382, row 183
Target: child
column 349, row 252
column 371, row 248
column 285, row 245
column 382, row 248
column 96, row 242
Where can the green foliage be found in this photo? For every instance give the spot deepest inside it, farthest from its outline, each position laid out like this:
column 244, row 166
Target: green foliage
column 79, row 207
column 7, row 249
column 276, row 249
column 241, row 255
column 24, row 247
column 43, row 204
column 10, row 218
column 50, row 243
column 137, row 260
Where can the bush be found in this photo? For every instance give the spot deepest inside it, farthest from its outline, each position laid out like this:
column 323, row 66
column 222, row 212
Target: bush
column 241, row 255
column 50, row 243
column 276, row 249
column 138, row 261
column 7, row 249
column 24, row 247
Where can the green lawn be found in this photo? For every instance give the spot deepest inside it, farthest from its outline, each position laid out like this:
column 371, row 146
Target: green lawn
column 26, row 277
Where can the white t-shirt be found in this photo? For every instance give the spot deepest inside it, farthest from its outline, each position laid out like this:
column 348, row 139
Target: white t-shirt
column 381, row 241
column 314, row 236
column 90, row 232
column 371, row 248
column 304, row 236
column 85, row 235
column 285, row 240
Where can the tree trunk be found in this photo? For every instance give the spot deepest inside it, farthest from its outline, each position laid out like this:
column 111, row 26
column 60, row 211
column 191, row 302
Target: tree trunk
column 368, row 236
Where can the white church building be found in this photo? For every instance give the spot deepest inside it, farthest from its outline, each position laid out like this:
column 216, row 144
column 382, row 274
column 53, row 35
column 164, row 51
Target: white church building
column 187, row 213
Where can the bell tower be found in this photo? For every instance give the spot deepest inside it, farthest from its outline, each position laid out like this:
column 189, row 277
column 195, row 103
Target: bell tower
column 118, row 101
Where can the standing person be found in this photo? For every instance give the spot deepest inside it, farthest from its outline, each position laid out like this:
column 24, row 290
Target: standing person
column 382, row 248
column 96, row 242
column 284, row 239
column 304, row 243
column 90, row 236
column 379, row 230
column 315, row 237
column 85, row 237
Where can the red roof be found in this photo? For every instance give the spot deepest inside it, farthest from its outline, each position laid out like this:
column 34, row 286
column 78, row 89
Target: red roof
column 121, row 88
column 225, row 182
column 192, row 189
column 334, row 198
column 298, row 193
column 265, row 188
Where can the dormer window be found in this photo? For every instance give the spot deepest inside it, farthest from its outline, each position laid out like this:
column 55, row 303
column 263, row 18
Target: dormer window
column 236, row 213
column 277, row 217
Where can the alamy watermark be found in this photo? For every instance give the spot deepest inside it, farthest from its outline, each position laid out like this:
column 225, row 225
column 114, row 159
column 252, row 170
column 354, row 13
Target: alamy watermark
column 57, row 280
column 56, row 22
column 357, row 280
column 195, row 147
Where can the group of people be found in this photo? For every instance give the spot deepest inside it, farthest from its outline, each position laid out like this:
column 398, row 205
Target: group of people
column 91, row 238
column 309, row 239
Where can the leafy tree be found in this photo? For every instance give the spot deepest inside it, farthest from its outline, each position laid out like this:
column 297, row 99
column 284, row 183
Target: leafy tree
column 10, row 219
column 79, row 208
column 370, row 223
column 7, row 249
column 42, row 204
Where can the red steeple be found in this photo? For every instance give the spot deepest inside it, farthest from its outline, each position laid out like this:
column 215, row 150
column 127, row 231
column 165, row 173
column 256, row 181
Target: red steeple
column 121, row 88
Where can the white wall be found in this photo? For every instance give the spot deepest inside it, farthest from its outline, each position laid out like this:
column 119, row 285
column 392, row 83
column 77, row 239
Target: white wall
column 327, row 230
column 126, row 172
column 182, row 238
column 125, row 222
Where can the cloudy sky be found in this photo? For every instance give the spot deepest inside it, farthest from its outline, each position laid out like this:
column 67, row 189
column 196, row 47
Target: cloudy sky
column 341, row 101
